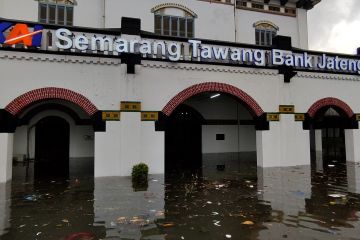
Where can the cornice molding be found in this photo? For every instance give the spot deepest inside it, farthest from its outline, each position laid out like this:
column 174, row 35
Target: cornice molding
column 209, row 68
column 58, row 58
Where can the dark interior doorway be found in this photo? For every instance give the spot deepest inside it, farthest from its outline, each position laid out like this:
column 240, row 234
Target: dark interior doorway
column 52, row 141
column 333, row 140
column 183, row 140
column 332, row 121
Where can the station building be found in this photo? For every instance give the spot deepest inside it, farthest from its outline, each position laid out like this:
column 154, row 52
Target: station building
column 107, row 84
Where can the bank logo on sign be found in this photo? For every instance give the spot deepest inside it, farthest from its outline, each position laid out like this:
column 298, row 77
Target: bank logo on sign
column 20, row 33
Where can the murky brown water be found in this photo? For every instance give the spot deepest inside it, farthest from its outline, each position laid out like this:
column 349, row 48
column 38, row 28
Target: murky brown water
column 238, row 203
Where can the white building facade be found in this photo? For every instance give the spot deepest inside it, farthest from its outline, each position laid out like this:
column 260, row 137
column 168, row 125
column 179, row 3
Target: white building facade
column 119, row 76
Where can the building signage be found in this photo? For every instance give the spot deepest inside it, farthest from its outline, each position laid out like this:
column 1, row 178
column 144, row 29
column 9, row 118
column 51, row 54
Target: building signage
column 190, row 51
column 20, row 34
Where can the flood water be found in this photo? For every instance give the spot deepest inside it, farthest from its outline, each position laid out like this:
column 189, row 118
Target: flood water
column 243, row 202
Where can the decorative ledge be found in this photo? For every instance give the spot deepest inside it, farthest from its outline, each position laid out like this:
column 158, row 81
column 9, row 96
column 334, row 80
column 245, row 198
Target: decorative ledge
column 286, row 109
column 111, row 115
column 210, row 68
column 273, row 117
column 130, row 106
column 149, row 116
column 299, row 117
column 58, row 58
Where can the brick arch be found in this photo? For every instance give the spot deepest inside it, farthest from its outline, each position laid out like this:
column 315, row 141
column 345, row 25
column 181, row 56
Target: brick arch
column 330, row 101
column 21, row 102
column 212, row 87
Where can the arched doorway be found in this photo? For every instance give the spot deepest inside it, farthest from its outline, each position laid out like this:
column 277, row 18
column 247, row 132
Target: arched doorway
column 54, row 134
column 330, row 123
column 328, row 118
column 183, row 139
column 52, row 142
column 211, row 128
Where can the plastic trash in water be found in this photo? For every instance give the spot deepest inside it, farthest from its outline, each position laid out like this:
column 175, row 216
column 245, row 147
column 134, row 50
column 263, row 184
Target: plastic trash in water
column 248, row 222
column 31, row 198
column 337, row 195
column 217, row 223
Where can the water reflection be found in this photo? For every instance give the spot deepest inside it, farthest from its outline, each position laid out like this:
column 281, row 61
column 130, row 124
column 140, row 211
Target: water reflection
column 237, row 203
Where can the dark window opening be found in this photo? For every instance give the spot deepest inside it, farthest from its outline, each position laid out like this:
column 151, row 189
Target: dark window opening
column 174, row 26
column 53, row 13
column 220, row 137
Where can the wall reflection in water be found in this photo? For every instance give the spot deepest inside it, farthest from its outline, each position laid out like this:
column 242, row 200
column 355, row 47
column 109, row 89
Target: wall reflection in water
column 238, row 202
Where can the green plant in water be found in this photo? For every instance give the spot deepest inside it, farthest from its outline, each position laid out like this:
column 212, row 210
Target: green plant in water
column 140, row 177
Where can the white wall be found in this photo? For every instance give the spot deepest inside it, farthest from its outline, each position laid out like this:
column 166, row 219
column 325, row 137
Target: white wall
column 87, row 13
column 96, row 79
column 211, row 17
column 19, row 9
column 246, row 31
column 238, row 138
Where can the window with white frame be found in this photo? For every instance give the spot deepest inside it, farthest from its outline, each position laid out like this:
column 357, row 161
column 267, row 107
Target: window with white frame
column 174, row 21
column 60, row 12
column 265, row 32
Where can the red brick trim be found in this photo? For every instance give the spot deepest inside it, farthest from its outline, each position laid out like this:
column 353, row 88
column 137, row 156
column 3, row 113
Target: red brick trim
column 212, row 87
column 330, row 101
column 21, row 102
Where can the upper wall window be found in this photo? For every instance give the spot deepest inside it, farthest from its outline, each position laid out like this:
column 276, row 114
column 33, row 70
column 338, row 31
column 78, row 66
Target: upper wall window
column 174, row 20
column 60, row 12
column 264, row 33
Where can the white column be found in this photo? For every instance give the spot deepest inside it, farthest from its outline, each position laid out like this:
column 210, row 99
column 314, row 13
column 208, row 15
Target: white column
column 352, row 145
column 130, row 141
column 268, row 146
column 152, row 148
column 5, row 194
column 6, row 154
column 107, row 151
column 285, row 144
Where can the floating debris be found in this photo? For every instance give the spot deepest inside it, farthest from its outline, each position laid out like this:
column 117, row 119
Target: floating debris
column 217, row 223
column 166, row 225
column 122, row 220
column 228, row 236
column 337, row 195
column 214, row 213
column 217, row 187
column 31, row 198
column 248, row 222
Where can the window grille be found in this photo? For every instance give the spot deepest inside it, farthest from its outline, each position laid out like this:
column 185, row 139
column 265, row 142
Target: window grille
column 59, row 12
